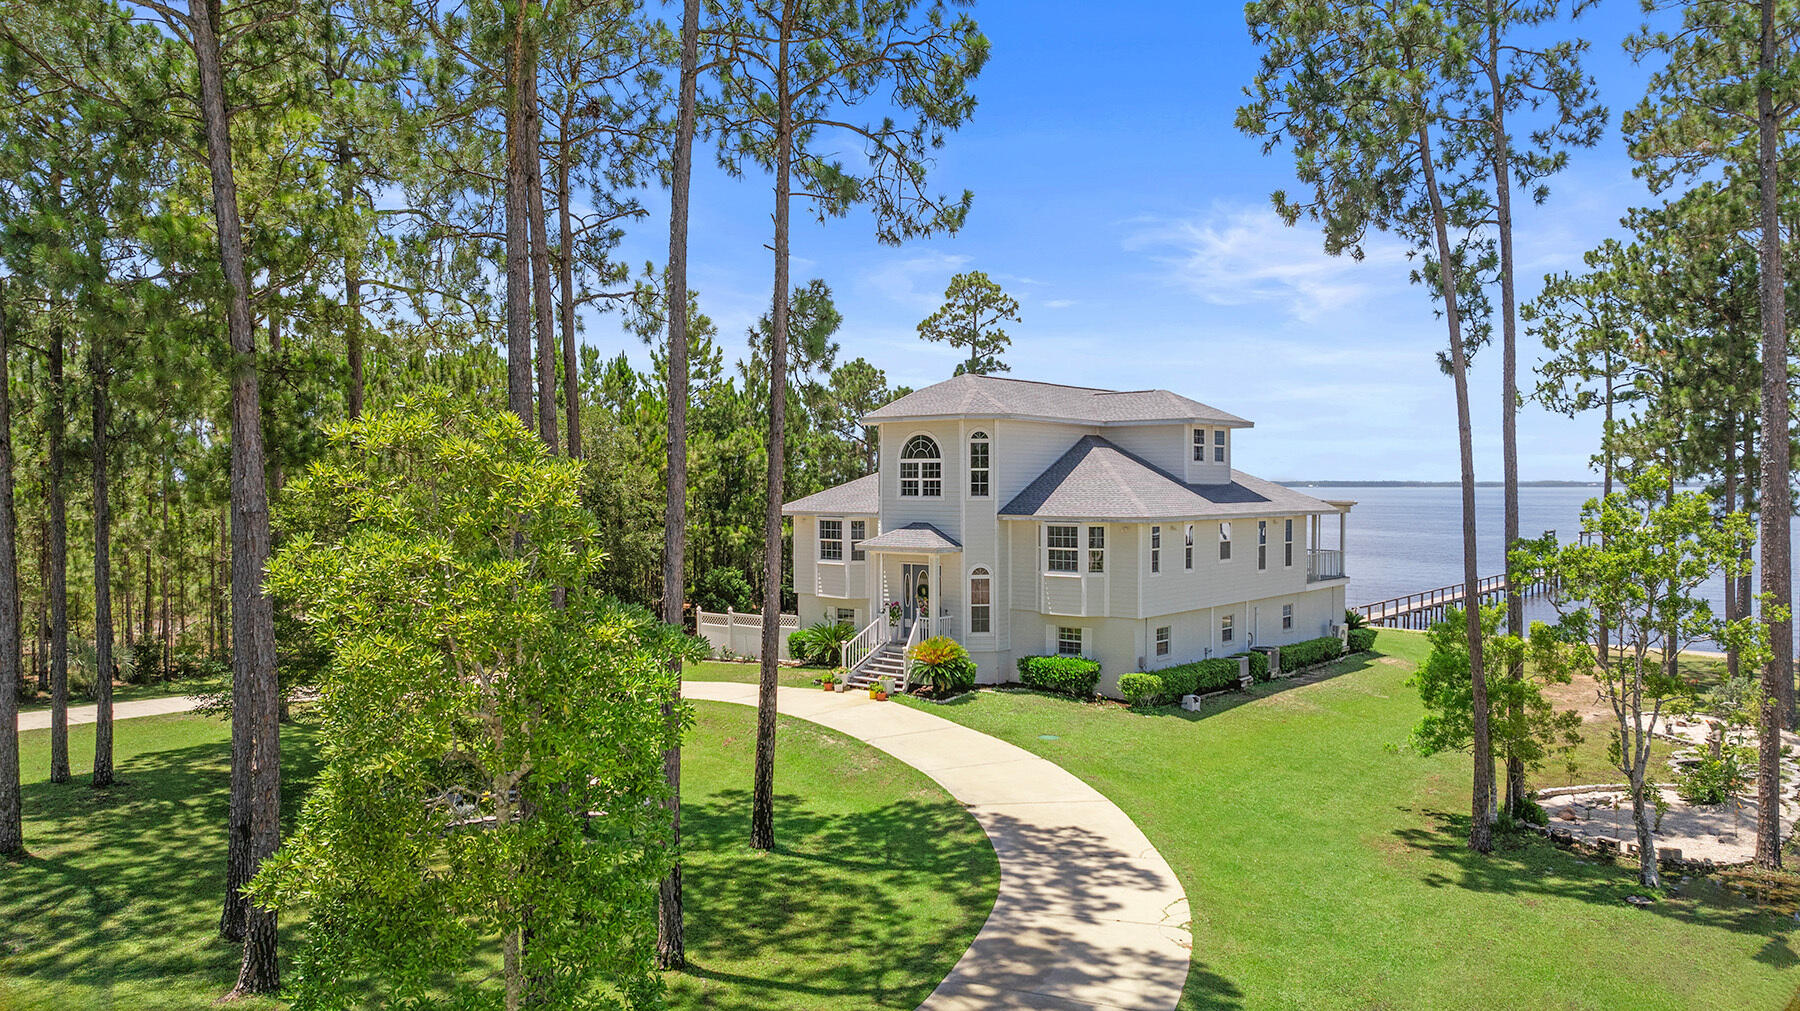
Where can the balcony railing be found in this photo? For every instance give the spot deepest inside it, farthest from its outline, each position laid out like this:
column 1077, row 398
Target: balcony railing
column 1324, row 563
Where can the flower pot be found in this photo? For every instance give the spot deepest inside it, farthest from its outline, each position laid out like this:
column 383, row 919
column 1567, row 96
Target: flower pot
column 879, row 696
column 829, row 687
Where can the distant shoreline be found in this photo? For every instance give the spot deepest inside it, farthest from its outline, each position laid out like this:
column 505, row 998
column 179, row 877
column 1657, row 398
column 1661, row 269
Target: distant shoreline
column 1434, row 484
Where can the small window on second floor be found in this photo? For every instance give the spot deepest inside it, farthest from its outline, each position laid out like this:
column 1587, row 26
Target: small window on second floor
column 1096, row 549
column 859, row 529
column 1062, row 546
column 1262, row 544
column 1156, row 549
column 831, row 540
column 978, row 465
column 921, row 469
column 1188, row 548
column 1224, row 542
column 1287, row 544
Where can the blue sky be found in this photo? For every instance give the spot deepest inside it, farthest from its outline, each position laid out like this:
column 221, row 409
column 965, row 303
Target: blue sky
column 1116, row 201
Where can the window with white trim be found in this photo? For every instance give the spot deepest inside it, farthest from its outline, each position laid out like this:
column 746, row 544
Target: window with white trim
column 1068, row 641
column 1156, row 549
column 831, row 540
column 1199, row 445
column 1062, row 548
column 846, row 616
column 1188, row 548
column 1262, row 544
column 859, row 529
column 978, row 465
column 1287, row 544
column 1225, row 629
column 1218, row 445
column 1096, row 549
column 921, row 468
column 1224, row 542
column 981, row 589
column 1162, row 640
column 1287, row 616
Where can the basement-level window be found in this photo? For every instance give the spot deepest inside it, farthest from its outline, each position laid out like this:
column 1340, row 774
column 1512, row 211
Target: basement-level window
column 1162, row 640
column 1068, row 641
column 1225, row 627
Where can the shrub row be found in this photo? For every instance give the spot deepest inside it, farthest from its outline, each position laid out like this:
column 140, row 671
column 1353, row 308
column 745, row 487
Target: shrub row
column 1171, row 683
column 1065, row 675
column 1311, row 651
column 1362, row 640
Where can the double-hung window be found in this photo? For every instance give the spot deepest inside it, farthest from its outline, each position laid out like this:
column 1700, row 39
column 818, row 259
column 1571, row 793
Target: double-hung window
column 978, row 465
column 1262, row 544
column 1156, row 549
column 1287, row 616
column 1199, row 445
column 1162, row 640
column 1218, row 445
column 1096, row 549
column 1287, row 544
column 859, row 529
column 981, row 588
column 1188, row 548
column 1068, row 641
column 831, row 540
column 1225, row 627
column 921, row 469
column 1062, row 547
column 1224, row 542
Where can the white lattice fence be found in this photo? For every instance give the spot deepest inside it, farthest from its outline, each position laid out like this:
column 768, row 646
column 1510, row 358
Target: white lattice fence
column 740, row 633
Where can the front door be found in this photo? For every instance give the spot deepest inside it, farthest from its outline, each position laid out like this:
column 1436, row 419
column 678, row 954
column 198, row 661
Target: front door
column 915, row 595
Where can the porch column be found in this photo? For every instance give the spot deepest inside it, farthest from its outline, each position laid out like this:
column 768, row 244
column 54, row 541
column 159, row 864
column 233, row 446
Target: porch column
column 1343, row 527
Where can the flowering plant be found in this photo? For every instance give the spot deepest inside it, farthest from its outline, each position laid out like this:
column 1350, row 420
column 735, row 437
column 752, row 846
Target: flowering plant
column 893, row 611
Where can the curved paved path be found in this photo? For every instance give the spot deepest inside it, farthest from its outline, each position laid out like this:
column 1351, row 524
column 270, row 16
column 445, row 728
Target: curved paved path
column 39, row 719
column 1088, row 915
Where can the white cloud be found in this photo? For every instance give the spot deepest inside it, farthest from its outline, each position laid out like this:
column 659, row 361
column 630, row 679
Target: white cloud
column 1059, row 303
column 1239, row 256
column 916, row 281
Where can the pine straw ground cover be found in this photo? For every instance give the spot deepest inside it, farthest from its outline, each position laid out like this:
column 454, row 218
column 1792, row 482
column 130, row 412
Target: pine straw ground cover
column 878, row 883
column 1326, row 868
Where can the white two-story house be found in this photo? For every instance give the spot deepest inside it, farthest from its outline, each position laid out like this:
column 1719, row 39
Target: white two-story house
column 1025, row 518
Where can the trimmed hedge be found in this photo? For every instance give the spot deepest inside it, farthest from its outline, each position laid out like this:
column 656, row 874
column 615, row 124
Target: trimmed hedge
column 1362, row 640
column 1310, row 652
column 1259, row 664
column 1208, row 675
column 1065, row 675
column 1140, row 688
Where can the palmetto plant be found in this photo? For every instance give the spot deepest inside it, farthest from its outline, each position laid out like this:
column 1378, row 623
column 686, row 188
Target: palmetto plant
column 821, row 643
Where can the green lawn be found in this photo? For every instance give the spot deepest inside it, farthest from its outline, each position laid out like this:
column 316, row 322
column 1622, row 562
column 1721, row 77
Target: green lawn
column 1326, row 868
column 878, row 883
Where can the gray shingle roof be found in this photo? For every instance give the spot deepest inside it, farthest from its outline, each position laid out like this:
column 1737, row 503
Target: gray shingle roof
column 1000, row 397
column 1096, row 480
column 861, row 497
column 913, row 537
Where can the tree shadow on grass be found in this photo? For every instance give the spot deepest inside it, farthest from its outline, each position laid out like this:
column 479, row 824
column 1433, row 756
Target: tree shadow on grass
column 124, row 885
column 1529, row 866
column 866, row 909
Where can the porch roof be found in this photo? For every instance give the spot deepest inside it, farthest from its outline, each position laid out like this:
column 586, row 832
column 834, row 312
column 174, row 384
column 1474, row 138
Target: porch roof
column 861, row 497
column 920, row 537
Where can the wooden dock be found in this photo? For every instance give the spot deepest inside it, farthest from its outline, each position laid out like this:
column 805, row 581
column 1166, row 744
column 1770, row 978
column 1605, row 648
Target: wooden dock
column 1421, row 610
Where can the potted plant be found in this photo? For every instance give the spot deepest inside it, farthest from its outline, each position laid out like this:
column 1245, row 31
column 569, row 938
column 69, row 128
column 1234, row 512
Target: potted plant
column 878, row 689
column 893, row 612
column 828, row 680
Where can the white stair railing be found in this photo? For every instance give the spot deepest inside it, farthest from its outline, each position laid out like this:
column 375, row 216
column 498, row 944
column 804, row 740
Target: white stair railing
column 920, row 632
column 867, row 641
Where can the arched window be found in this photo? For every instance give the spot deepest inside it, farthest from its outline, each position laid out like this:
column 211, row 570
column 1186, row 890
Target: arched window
column 978, row 465
column 921, row 469
column 980, row 602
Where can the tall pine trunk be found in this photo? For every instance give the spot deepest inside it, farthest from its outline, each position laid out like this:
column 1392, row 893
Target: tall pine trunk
column 1481, row 804
column 540, row 263
column 103, row 628
column 565, row 269
column 519, row 151
column 671, row 935
column 762, row 799
column 256, row 748
column 59, row 569
column 12, row 825
column 1509, row 388
column 1777, row 493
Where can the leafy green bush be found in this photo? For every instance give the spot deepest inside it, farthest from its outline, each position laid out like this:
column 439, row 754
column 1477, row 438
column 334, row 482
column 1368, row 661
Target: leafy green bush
column 1179, row 681
column 1715, row 779
column 719, row 589
column 821, row 644
column 1308, row 652
column 1140, row 688
column 1259, row 665
column 1065, row 675
column 943, row 666
column 1362, row 640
